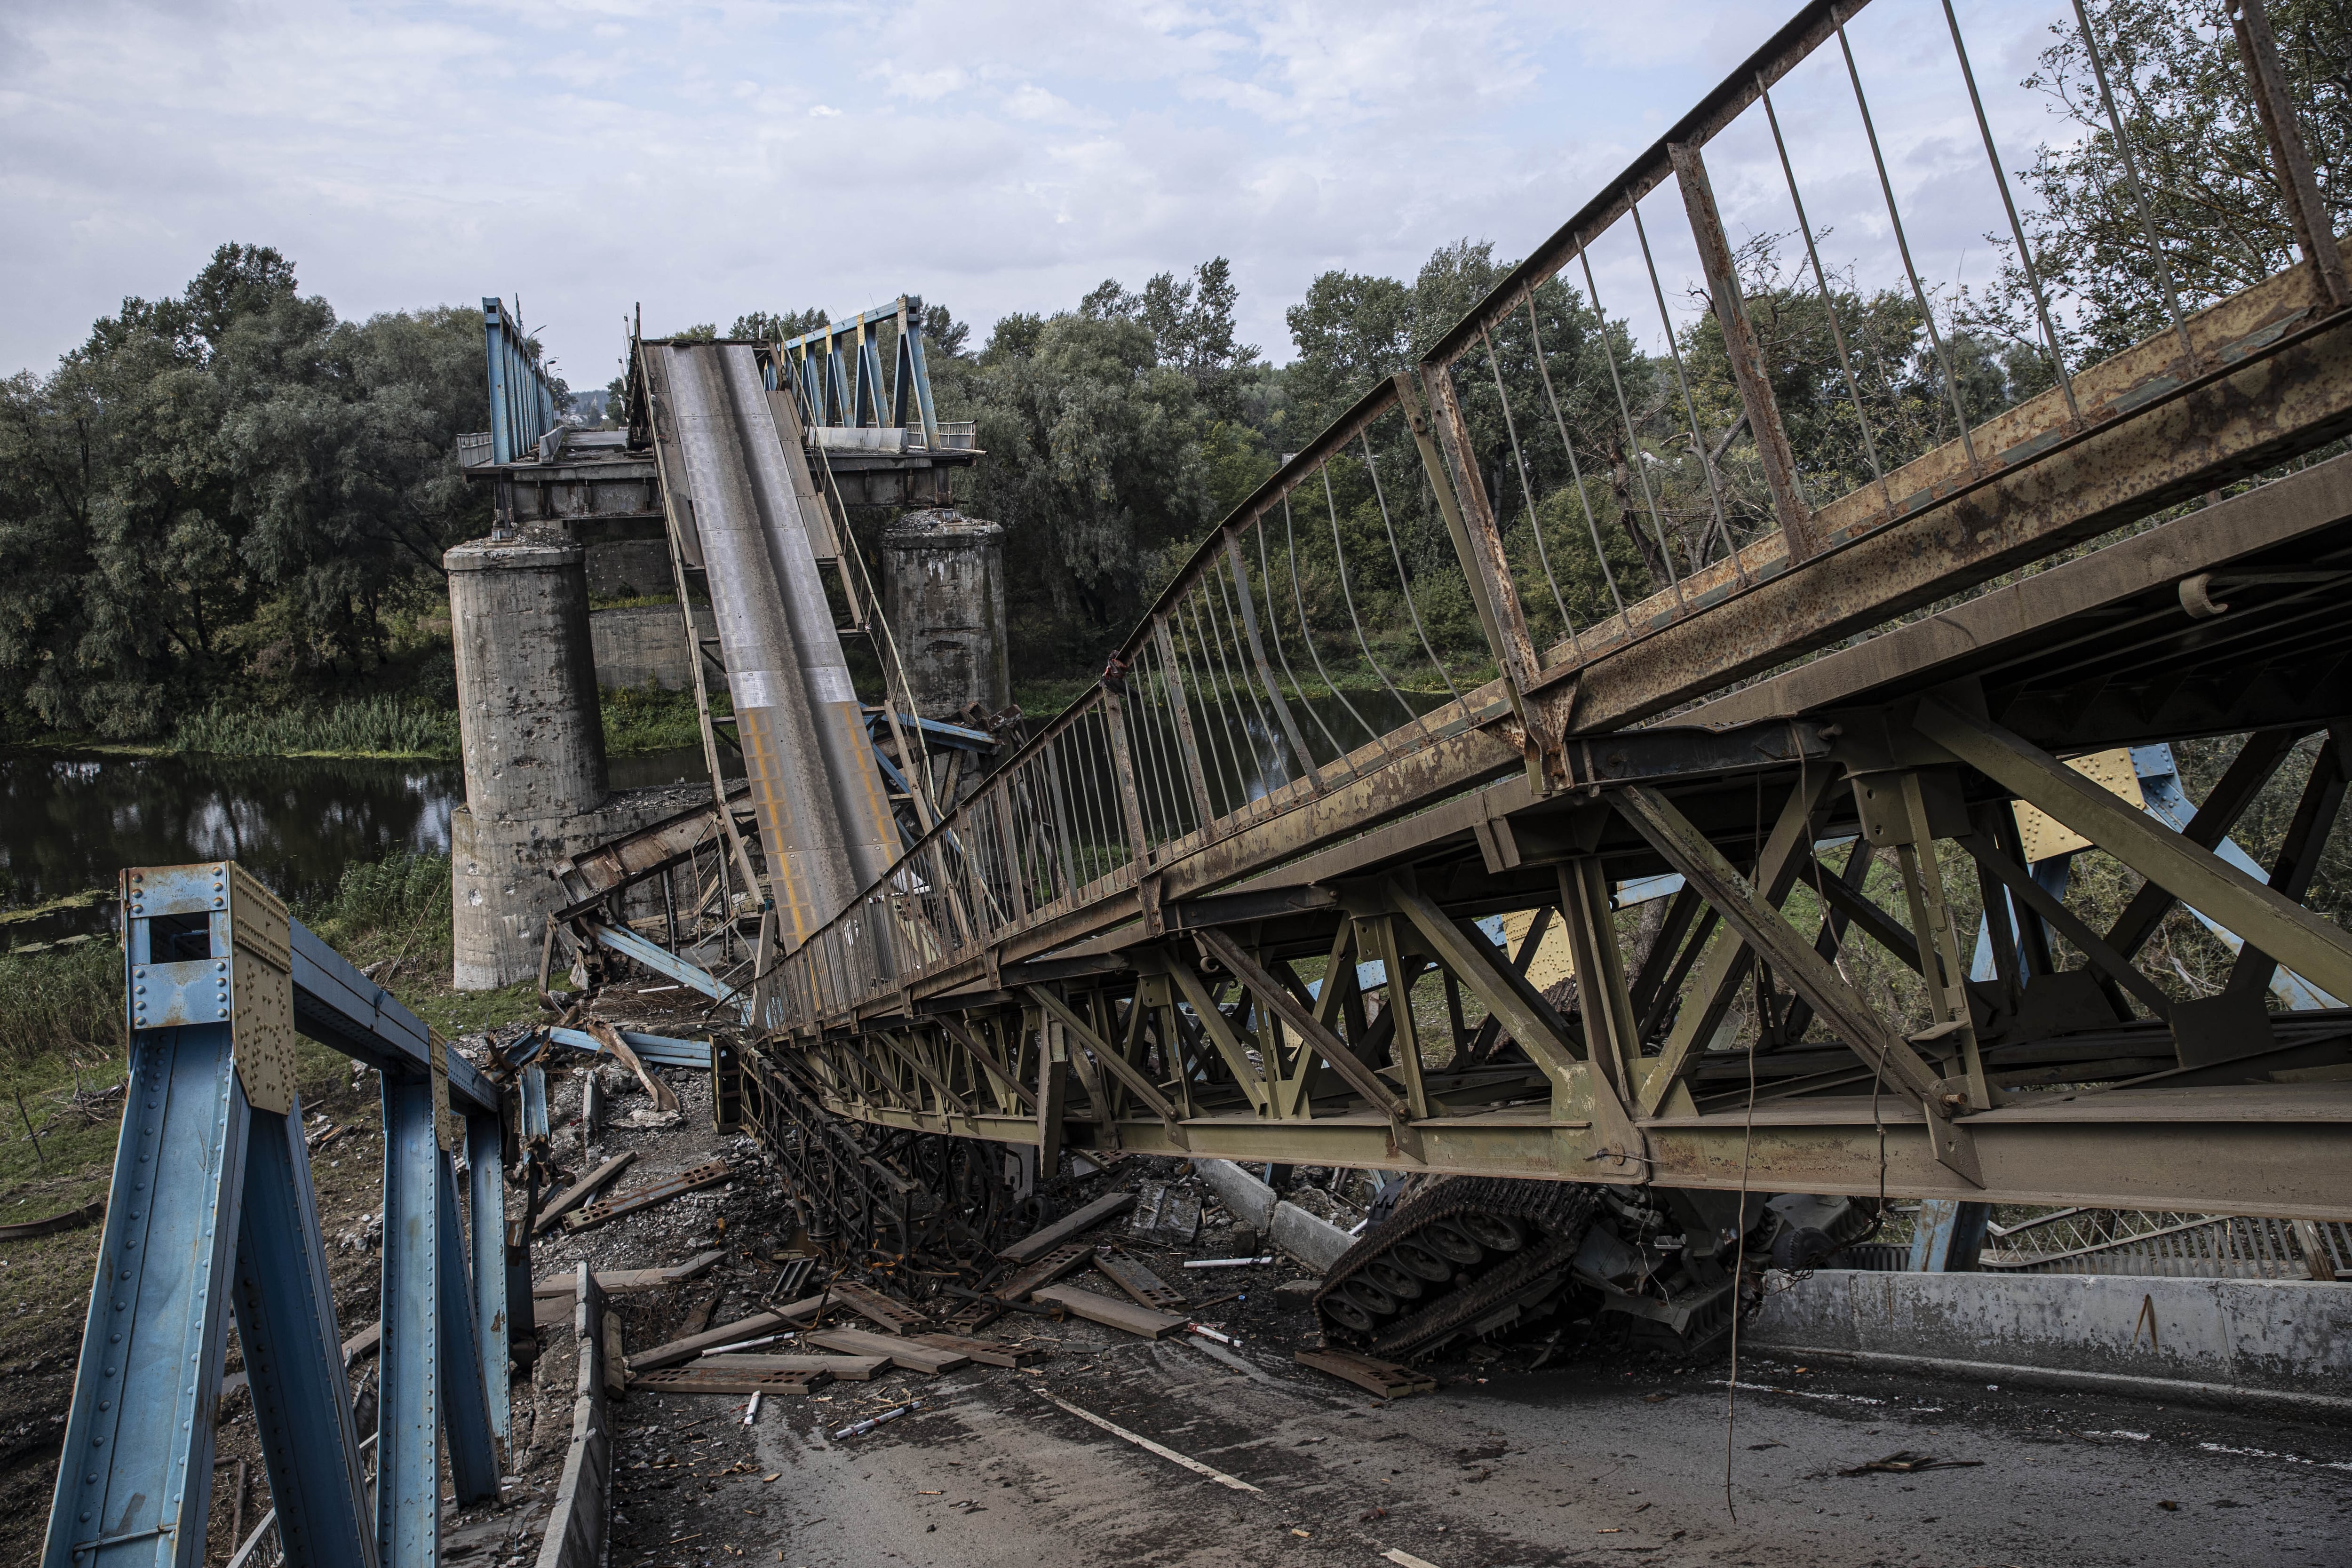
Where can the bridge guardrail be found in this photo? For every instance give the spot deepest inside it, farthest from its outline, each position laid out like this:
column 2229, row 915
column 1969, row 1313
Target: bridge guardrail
column 1536, row 531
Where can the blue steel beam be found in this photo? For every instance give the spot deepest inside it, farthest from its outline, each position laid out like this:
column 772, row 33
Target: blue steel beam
column 522, row 400
column 486, row 1210
column 337, row 1006
column 629, row 944
column 2159, row 783
column 1949, row 1236
column 837, row 369
column 659, row 1049
column 408, row 1398
column 158, row 1311
column 464, row 1406
column 286, row 1326
column 211, row 1213
column 534, row 1103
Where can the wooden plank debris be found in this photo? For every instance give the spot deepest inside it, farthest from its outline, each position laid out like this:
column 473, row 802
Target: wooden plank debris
column 1036, row 1244
column 698, row 1318
column 890, row 1316
column 580, row 1192
column 618, row 1050
column 846, row 1368
column 693, row 1345
column 708, row 1175
column 1130, row 1274
column 704, row 1378
column 1104, row 1310
column 914, row 1356
column 629, row 1282
column 988, row 1353
column 1385, row 1378
column 1060, row 1263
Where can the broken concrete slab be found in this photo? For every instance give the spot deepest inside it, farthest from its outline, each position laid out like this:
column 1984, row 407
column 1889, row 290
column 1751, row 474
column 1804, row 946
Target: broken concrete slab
column 1250, row 1201
column 1314, row 1241
column 2279, row 1344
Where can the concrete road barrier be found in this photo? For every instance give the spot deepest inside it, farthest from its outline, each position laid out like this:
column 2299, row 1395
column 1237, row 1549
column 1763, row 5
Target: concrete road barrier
column 2284, row 1344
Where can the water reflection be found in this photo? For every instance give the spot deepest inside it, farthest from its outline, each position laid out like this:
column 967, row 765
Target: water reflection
column 69, row 822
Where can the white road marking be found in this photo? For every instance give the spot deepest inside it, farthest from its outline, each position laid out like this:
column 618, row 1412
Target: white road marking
column 1170, row 1455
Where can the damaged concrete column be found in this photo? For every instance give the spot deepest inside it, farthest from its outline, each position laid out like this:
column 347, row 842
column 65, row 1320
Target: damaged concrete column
column 943, row 594
column 533, row 741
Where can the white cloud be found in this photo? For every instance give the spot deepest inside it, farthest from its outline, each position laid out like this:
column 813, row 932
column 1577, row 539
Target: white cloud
column 991, row 155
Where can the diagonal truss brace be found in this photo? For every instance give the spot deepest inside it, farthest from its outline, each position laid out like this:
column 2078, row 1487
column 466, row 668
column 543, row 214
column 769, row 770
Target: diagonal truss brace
column 1755, row 920
column 2264, row 917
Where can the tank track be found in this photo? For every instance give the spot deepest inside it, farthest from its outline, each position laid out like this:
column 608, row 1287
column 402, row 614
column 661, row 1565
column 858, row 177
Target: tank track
column 1454, row 1221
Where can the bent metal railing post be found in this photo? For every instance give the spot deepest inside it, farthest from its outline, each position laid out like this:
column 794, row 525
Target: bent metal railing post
column 211, row 1212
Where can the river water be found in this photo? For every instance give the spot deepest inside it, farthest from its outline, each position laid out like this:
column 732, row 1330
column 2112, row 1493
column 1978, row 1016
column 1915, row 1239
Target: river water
column 69, row 822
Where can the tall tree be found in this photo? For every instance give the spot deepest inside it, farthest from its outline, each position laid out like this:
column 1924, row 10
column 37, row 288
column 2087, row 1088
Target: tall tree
column 2182, row 90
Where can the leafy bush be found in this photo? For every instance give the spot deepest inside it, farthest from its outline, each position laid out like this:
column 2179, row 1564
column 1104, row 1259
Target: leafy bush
column 404, row 893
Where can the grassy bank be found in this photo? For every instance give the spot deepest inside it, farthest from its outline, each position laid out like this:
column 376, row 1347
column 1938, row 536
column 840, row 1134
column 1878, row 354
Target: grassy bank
column 646, row 719
column 356, row 727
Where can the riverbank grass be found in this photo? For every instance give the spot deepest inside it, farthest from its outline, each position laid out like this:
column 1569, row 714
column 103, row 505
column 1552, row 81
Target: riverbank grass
column 356, row 727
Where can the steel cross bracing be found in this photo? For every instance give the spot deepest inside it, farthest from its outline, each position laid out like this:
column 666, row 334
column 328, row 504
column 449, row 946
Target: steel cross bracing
column 211, row 1215
column 1103, row 943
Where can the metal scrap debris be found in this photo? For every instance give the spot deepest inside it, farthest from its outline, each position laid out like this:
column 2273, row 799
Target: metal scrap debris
column 1904, row 1462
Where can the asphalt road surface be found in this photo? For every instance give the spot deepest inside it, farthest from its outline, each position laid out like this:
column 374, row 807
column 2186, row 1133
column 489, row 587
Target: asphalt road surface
column 1588, row 1464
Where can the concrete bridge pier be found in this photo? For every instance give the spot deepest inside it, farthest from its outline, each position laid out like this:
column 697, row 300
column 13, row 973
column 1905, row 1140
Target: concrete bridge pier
column 533, row 743
column 943, row 592
column 533, row 738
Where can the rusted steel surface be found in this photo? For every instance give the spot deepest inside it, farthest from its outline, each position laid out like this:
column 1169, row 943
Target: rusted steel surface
column 1113, row 942
column 704, row 1175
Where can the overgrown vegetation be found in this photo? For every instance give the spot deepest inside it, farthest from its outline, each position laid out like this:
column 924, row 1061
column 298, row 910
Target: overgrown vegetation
column 356, row 727
column 63, row 1002
column 230, row 495
column 648, row 719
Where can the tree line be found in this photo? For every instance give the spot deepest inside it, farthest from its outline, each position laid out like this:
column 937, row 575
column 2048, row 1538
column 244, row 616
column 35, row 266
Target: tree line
column 233, row 492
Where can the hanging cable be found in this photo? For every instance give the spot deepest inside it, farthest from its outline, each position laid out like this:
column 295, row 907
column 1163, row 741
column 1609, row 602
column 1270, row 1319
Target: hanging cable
column 1339, row 550
column 1526, row 491
column 1895, row 217
column 1397, row 555
column 2016, row 230
column 1690, row 411
column 2139, row 194
column 1634, row 455
column 1307, row 633
column 1828, row 303
column 1575, row 474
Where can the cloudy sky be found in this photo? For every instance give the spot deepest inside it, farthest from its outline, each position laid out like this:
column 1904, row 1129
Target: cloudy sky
column 709, row 159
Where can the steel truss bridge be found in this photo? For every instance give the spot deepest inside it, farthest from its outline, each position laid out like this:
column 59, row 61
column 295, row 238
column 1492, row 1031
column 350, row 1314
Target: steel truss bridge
column 1219, row 907
column 1224, row 906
